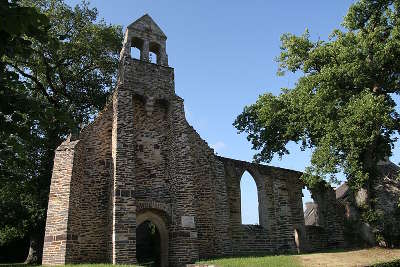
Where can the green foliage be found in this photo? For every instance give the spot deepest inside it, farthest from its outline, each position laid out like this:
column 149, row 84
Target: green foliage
column 370, row 216
column 390, row 228
column 17, row 24
column 19, row 27
column 342, row 106
column 60, row 70
column 394, row 263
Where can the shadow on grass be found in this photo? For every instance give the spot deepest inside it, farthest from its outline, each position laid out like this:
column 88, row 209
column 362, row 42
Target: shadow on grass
column 394, row 263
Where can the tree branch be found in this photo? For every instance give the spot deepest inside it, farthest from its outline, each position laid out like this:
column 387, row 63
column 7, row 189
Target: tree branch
column 39, row 85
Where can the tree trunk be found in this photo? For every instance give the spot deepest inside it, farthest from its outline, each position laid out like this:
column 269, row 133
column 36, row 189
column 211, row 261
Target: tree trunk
column 35, row 250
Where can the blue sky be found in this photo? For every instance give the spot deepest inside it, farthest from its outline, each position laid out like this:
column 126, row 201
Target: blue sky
column 223, row 53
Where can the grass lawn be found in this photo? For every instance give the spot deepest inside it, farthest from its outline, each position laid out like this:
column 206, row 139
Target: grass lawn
column 362, row 257
column 267, row 261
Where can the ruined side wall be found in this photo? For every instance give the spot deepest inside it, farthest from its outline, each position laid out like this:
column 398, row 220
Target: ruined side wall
column 296, row 206
column 211, row 201
column 276, row 230
column 89, row 216
column 78, row 213
column 223, row 246
column 56, row 236
column 316, row 238
column 334, row 225
column 205, row 218
column 329, row 231
column 183, row 230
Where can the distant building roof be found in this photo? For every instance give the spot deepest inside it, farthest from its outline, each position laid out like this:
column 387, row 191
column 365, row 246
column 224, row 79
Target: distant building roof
column 342, row 191
column 311, row 214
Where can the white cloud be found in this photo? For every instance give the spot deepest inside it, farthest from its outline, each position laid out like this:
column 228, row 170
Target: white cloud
column 219, row 146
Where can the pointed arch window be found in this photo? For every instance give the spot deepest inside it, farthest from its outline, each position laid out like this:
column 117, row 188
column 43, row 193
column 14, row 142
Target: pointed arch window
column 249, row 200
column 310, row 207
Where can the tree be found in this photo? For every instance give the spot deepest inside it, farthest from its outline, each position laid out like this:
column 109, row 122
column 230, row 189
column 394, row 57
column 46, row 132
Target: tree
column 61, row 83
column 342, row 106
column 18, row 26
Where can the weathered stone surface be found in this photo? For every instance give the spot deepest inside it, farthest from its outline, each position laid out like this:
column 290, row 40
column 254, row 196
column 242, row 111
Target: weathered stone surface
column 141, row 160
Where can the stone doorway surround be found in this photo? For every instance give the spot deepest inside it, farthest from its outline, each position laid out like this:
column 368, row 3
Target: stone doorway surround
column 158, row 221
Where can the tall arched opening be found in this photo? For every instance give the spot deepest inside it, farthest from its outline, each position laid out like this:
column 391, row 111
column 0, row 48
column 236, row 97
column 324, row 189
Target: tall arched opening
column 297, row 239
column 151, row 240
column 311, row 209
column 249, row 200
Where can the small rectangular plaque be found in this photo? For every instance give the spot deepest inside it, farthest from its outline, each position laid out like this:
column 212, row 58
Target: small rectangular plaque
column 193, row 234
column 188, row 221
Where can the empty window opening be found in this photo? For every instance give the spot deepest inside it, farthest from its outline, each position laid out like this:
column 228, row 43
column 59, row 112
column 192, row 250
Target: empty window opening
column 306, row 197
column 136, row 48
column 153, row 57
column 249, row 199
column 135, row 53
column 310, row 208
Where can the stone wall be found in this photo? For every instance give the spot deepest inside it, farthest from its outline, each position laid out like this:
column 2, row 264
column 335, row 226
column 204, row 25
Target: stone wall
column 55, row 241
column 277, row 217
column 316, row 237
column 77, row 226
column 327, row 229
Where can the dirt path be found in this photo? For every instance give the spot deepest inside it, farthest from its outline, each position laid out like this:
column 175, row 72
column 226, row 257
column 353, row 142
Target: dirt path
column 362, row 257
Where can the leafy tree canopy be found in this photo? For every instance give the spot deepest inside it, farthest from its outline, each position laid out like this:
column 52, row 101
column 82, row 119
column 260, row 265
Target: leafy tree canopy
column 61, row 65
column 342, row 106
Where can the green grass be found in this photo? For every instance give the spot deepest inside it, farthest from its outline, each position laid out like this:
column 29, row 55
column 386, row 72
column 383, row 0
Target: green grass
column 266, row 261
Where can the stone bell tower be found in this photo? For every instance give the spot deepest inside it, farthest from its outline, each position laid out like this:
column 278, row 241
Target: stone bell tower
column 132, row 165
column 145, row 35
column 151, row 153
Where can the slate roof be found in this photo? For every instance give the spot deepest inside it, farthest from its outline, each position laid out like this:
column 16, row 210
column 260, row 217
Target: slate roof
column 342, row 191
column 310, row 214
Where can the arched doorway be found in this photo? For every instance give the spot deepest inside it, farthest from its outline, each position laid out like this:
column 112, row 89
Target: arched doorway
column 148, row 248
column 151, row 240
column 297, row 239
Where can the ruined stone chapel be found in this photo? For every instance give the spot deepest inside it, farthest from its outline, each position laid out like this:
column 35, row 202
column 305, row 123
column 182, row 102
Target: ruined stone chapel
column 139, row 167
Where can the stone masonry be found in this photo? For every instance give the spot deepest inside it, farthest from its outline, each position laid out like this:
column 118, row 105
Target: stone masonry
column 140, row 160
